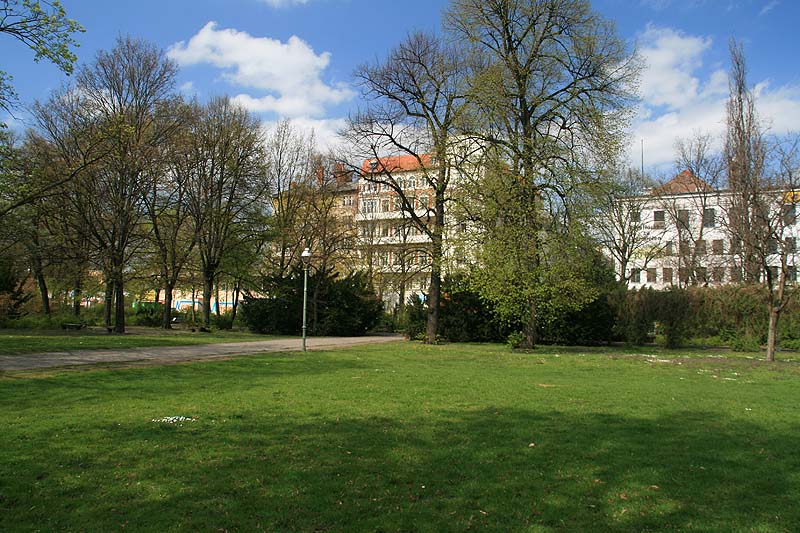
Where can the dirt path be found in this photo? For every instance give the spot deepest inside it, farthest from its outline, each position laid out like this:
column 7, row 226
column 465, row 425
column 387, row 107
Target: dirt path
column 171, row 354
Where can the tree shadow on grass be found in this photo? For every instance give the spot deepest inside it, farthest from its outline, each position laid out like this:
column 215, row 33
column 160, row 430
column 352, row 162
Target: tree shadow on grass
column 495, row 469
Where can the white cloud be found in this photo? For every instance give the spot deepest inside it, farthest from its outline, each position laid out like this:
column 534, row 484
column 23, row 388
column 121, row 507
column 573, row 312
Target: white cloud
column 671, row 58
column 290, row 72
column 679, row 100
column 768, row 7
column 187, row 88
column 325, row 131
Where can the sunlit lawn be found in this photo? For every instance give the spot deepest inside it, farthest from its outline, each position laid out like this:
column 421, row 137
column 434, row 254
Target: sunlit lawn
column 406, row 437
column 32, row 341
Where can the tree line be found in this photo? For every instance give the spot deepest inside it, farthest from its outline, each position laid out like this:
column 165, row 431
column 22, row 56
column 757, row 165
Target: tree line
column 516, row 114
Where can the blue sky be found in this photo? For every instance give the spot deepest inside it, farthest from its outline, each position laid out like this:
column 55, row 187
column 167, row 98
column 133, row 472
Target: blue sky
column 294, row 58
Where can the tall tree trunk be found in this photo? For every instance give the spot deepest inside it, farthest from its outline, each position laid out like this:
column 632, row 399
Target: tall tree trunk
column 119, row 303
column 42, row 282
column 435, row 289
column 166, row 318
column 216, row 298
column 772, row 332
column 208, row 292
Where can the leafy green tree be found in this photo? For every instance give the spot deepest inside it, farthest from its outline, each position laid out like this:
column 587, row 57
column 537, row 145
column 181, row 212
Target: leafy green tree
column 552, row 92
column 227, row 187
column 118, row 116
column 43, row 27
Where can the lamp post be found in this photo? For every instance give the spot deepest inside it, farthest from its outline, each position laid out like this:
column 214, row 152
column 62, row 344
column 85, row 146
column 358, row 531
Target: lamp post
column 306, row 257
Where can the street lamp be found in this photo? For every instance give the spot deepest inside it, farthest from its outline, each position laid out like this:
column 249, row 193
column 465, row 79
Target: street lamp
column 306, row 257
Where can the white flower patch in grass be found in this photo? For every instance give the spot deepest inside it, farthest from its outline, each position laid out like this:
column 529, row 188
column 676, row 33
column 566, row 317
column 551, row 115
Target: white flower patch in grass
column 174, row 419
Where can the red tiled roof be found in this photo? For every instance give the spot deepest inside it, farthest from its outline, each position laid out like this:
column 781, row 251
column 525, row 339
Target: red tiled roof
column 398, row 163
column 685, row 182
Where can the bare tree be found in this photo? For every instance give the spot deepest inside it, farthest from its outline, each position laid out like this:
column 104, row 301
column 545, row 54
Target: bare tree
column 745, row 155
column 693, row 210
column 290, row 175
column 621, row 228
column 417, row 101
column 763, row 180
column 777, row 212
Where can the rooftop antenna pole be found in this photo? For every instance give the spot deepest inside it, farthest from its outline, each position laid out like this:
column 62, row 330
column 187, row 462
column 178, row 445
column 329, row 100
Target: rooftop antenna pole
column 642, row 158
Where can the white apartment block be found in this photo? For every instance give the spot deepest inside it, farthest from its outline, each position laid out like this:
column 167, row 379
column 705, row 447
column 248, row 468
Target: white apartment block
column 686, row 238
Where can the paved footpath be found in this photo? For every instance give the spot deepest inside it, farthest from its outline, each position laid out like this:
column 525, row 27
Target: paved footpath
column 171, row 354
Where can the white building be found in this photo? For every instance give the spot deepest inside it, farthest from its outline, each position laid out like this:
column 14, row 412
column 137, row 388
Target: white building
column 685, row 236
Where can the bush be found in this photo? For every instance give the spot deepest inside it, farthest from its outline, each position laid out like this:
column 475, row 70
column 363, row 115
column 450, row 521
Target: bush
column 464, row 317
column 515, row 339
column 594, row 324
column 336, row 306
column 671, row 311
column 223, row 321
column 414, row 318
column 148, row 314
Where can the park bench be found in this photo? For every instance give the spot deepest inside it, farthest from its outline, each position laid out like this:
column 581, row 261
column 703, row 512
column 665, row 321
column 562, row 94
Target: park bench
column 73, row 326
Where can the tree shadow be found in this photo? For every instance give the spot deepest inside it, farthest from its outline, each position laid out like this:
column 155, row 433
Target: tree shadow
column 493, row 468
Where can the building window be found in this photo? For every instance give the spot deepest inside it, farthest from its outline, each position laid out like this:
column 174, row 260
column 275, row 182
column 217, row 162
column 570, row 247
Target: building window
column 651, row 275
column 683, row 219
column 658, row 219
column 772, row 246
column 736, row 246
column 683, row 275
column 709, row 218
column 423, row 202
column 684, row 249
column 791, row 245
column 789, row 214
column 666, row 275
column 791, row 274
column 717, row 247
column 636, row 275
column 736, row 274
column 385, row 206
column 373, row 165
column 718, row 274
column 700, row 247
column 701, row 274
column 636, row 215
column 669, row 249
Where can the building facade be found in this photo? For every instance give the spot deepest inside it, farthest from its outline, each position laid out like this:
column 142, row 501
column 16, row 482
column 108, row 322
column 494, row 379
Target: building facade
column 689, row 235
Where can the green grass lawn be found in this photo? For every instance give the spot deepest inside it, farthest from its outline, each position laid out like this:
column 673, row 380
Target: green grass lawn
column 33, row 341
column 406, row 437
